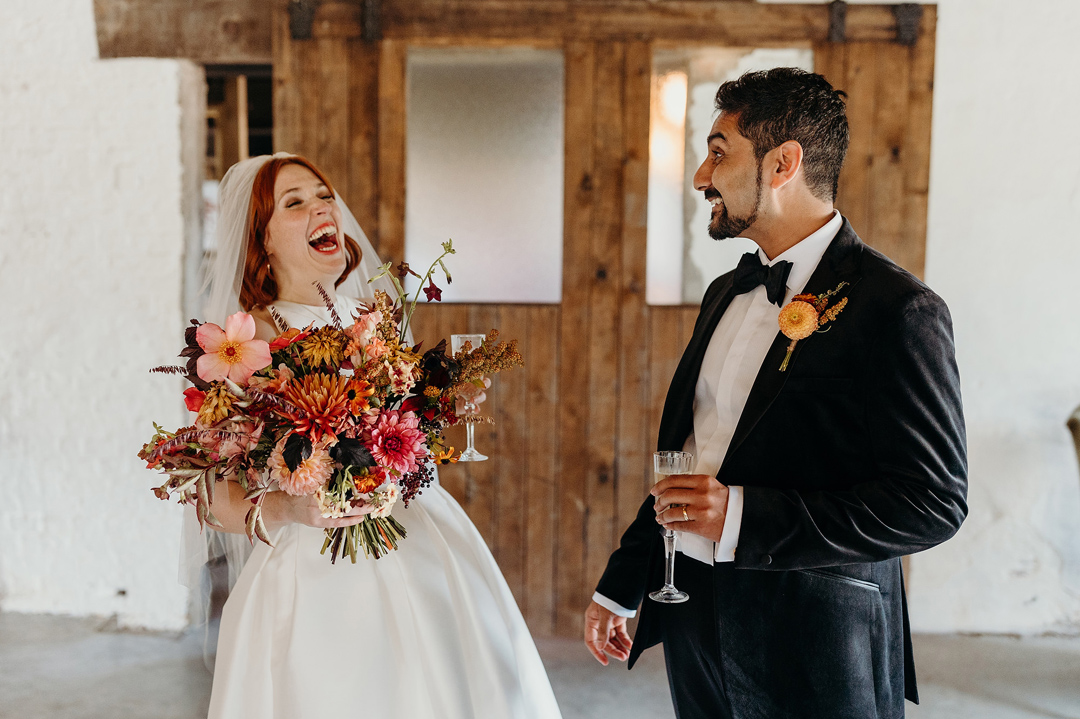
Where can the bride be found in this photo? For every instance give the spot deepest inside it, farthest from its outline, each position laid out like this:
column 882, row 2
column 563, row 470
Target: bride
column 430, row 630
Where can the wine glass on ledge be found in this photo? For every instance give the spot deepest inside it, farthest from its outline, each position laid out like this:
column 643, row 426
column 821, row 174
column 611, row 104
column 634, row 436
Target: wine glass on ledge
column 469, row 408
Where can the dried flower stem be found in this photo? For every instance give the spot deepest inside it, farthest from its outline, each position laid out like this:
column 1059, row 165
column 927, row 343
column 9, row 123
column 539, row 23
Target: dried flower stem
column 329, row 304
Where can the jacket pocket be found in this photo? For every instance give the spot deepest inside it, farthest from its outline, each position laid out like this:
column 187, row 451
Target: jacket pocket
column 837, row 577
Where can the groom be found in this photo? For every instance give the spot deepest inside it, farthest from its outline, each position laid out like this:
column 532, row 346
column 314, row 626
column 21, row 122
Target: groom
column 811, row 479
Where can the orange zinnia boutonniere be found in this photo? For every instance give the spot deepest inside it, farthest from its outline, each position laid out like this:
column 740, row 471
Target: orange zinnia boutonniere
column 807, row 314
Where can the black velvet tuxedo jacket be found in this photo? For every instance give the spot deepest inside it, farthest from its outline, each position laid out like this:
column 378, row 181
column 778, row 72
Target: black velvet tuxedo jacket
column 852, row 458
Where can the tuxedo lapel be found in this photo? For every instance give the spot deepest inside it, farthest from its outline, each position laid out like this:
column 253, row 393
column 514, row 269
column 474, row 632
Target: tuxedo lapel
column 678, row 419
column 839, row 264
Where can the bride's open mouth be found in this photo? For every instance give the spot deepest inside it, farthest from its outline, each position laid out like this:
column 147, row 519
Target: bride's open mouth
column 324, row 239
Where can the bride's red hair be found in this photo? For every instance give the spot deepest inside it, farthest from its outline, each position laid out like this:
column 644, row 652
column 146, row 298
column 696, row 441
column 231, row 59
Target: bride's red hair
column 259, row 288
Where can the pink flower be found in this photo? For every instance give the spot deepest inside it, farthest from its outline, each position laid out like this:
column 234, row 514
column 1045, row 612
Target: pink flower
column 376, row 348
column 363, row 329
column 233, row 352
column 309, row 476
column 396, row 441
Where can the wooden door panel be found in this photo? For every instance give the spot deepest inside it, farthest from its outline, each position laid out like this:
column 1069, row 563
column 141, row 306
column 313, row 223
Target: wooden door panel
column 884, row 184
column 511, row 497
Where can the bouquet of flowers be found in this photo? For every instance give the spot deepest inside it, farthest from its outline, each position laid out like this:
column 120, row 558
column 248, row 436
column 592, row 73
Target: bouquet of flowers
column 350, row 414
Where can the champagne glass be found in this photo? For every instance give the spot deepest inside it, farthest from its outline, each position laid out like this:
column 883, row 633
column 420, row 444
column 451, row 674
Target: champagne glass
column 665, row 464
column 469, row 407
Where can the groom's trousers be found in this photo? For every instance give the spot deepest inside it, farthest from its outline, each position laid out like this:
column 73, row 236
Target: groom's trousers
column 691, row 650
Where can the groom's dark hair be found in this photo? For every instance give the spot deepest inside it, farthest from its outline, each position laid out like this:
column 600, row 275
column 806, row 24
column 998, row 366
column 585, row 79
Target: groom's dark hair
column 786, row 103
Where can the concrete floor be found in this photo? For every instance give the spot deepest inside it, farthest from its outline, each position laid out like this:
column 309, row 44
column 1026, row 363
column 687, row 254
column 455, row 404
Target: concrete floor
column 63, row 668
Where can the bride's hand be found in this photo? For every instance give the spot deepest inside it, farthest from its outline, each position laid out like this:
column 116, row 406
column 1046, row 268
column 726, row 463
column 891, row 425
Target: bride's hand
column 287, row 509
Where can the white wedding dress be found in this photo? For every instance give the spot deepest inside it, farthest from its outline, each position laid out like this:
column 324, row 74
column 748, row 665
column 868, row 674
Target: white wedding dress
column 430, row 631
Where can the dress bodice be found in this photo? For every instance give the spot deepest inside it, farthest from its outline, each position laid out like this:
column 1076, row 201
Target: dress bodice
column 300, row 316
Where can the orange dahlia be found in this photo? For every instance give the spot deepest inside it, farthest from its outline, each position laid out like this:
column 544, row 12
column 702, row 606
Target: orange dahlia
column 798, row 320
column 322, row 400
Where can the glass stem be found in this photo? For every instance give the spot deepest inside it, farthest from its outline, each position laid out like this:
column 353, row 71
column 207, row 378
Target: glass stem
column 669, row 555
column 470, row 428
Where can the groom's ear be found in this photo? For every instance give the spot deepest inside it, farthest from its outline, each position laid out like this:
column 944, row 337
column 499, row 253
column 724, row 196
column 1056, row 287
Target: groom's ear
column 782, row 164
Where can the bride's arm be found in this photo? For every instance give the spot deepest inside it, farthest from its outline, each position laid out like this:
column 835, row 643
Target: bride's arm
column 279, row 509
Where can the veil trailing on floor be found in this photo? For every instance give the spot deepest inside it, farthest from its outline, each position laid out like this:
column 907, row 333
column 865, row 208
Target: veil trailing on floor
column 208, row 554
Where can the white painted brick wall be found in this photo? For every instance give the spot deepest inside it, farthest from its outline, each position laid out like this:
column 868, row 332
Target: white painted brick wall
column 1004, row 251
column 91, row 247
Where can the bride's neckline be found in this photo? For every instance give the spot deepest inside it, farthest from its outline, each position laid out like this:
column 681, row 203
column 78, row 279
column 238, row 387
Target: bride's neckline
column 342, row 305
column 301, row 304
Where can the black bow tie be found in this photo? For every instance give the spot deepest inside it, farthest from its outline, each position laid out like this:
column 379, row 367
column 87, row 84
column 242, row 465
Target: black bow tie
column 750, row 273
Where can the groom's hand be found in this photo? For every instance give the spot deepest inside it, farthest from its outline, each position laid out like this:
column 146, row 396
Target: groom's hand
column 694, row 503
column 605, row 633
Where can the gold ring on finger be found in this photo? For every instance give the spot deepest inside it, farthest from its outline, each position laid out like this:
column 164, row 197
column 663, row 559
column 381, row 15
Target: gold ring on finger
column 685, row 516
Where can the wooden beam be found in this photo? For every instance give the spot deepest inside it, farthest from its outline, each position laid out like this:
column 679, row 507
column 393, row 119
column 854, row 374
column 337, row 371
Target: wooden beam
column 390, row 243
column 885, row 230
column 579, row 200
column 231, row 127
column 634, row 444
column 363, row 96
column 286, row 87
column 212, row 32
column 238, row 31
column 686, row 21
column 604, row 260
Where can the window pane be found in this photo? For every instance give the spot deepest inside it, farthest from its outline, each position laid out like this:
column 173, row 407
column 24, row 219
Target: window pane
column 484, row 147
column 681, row 257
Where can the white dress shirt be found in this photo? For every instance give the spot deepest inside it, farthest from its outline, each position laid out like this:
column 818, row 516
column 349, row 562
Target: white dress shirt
column 731, row 364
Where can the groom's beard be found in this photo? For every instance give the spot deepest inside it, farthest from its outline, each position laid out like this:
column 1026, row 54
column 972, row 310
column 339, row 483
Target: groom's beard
column 724, row 226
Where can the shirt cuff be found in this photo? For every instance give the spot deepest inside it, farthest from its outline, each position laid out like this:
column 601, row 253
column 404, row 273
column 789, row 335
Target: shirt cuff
column 729, row 538
column 616, row 609
column 696, row 547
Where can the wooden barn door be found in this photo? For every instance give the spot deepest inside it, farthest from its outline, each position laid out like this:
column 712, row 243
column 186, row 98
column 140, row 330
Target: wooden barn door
column 574, row 430
column 885, row 181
